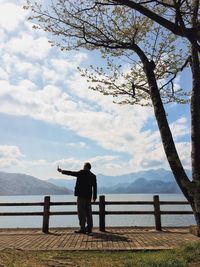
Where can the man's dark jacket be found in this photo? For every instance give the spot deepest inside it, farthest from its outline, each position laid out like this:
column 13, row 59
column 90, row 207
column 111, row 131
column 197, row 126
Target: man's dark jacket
column 86, row 184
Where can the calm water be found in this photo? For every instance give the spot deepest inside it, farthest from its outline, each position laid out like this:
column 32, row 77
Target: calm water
column 111, row 220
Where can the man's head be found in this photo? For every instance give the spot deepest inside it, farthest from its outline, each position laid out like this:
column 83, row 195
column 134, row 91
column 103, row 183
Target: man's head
column 87, row 166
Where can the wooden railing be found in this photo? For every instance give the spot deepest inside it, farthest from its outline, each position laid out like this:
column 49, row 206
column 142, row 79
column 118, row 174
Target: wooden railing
column 102, row 203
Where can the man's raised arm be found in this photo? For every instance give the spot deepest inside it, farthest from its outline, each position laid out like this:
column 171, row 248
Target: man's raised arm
column 71, row 173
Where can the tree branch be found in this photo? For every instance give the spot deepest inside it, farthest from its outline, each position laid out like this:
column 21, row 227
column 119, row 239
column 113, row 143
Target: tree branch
column 187, row 33
column 175, row 74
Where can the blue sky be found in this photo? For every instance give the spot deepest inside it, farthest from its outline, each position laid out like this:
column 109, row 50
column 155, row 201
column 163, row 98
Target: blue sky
column 49, row 117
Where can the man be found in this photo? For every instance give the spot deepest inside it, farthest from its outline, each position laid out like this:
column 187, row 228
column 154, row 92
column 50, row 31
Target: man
column 85, row 190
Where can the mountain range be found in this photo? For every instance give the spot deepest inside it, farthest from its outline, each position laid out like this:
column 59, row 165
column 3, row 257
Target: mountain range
column 22, row 184
column 150, row 181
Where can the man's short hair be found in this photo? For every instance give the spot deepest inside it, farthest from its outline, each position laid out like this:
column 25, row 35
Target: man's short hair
column 87, row 165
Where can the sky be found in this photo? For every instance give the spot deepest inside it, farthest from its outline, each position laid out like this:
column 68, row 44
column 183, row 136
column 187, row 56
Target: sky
column 49, row 117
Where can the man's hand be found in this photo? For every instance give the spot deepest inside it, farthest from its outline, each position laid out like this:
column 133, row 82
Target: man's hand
column 59, row 169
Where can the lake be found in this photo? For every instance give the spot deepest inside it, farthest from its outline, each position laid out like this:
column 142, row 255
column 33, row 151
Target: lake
column 111, row 220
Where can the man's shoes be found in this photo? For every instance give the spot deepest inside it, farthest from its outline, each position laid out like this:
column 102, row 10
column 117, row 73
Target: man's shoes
column 80, row 231
column 88, row 231
column 83, row 231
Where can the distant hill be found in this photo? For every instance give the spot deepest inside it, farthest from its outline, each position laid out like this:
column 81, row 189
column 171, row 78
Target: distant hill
column 143, row 186
column 150, row 181
column 67, row 183
column 158, row 174
column 22, row 184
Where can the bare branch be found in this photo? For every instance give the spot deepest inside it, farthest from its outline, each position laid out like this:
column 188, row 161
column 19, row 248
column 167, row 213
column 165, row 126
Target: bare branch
column 175, row 74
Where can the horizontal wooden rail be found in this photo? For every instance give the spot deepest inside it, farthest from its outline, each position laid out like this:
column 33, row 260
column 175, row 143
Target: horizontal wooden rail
column 102, row 212
column 126, row 212
column 176, row 212
column 21, row 204
column 69, row 213
column 68, row 203
column 174, row 203
column 63, row 203
column 21, row 213
column 129, row 202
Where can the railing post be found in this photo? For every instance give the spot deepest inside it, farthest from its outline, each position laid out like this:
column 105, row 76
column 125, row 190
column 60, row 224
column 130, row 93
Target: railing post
column 102, row 213
column 156, row 203
column 45, row 227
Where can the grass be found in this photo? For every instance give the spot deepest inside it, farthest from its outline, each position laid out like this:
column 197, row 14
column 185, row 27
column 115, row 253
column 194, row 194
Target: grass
column 185, row 256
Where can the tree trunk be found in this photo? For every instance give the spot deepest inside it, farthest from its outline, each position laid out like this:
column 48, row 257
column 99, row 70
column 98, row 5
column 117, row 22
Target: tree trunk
column 195, row 117
column 191, row 190
column 163, row 125
column 166, row 136
column 196, row 210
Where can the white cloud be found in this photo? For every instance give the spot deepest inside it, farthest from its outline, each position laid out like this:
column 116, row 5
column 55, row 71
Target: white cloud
column 50, row 75
column 27, row 84
column 69, row 163
column 10, row 151
column 49, row 94
column 120, row 129
column 79, row 145
column 11, row 16
column 44, row 169
column 180, row 127
column 109, row 129
column 2, row 37
column 184, row 150
column 26, row 69
column 3, row 74
column 67, row 65
column 9, row 156
column 99, row 164
column 30, row 47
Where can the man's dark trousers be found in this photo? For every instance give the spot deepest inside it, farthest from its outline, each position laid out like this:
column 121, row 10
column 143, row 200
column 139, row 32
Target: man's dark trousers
column 85, row 213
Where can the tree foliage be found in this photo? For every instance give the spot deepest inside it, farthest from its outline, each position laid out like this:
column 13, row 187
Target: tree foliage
column 181, row 17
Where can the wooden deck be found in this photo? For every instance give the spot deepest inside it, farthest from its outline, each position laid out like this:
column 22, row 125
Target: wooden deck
column 130, row 238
